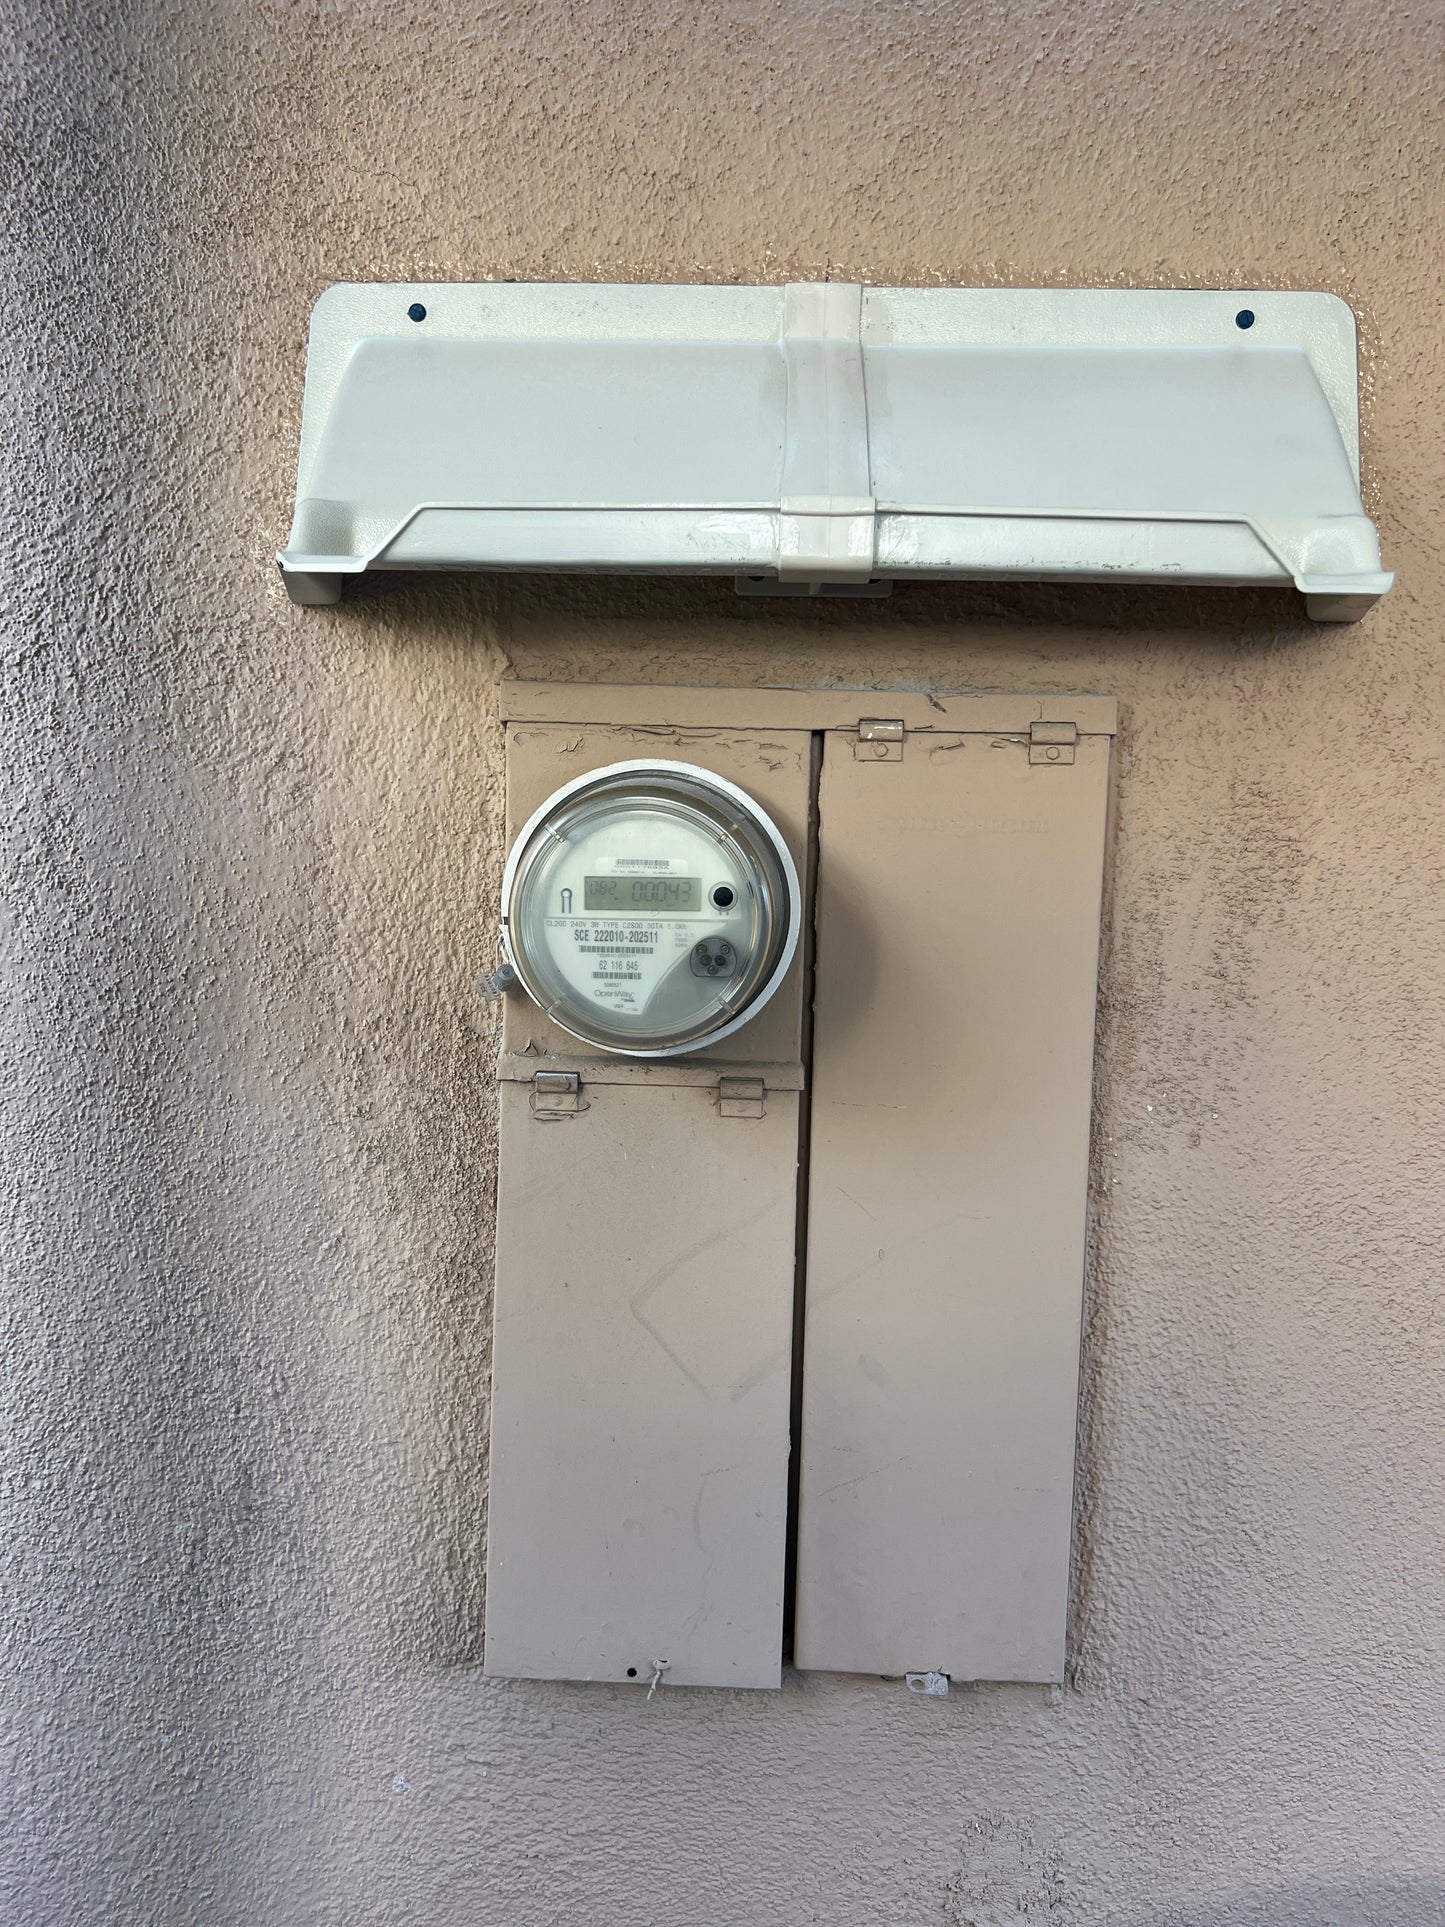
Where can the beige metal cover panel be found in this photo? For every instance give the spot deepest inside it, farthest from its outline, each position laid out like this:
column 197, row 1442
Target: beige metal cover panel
column 643, row 1327
column 958, row 919
column 644, row 1302
column 640, row 1390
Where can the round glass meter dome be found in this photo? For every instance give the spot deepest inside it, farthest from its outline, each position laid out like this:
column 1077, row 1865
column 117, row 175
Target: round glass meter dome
column 650, row 908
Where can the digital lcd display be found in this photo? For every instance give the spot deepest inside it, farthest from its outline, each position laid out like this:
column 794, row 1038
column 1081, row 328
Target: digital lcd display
column 648, row 894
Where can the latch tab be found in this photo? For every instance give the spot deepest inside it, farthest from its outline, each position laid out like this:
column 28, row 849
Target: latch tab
column 740, row 1097
column 879, row 740
column 557, row 1094
column 1052, row 742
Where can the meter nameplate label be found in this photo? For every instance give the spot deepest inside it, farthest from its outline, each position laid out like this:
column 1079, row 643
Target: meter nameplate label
column 618, row 965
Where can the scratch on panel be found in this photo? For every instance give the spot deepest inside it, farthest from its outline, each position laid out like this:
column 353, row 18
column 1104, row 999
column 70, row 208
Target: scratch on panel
column 780, row 751
column 697, row 1502
column 659, row 1278
column 861, row 1479
column 774, row 1362
column 842, row 1284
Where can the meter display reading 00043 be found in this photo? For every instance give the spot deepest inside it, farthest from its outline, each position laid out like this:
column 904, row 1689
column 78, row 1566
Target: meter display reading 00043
column 681, row 896
column 650, row 908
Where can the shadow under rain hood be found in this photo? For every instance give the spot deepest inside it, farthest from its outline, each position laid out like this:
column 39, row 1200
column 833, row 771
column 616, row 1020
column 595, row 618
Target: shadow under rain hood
column 825, row 437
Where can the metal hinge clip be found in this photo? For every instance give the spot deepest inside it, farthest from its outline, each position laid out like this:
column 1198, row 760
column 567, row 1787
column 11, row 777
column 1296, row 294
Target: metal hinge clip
column 557, row 1094
column 1052, row 742
column 879, row 740
column 741, row 1097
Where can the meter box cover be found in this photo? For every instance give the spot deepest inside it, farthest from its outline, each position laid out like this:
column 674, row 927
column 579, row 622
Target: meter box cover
column 675, row 1315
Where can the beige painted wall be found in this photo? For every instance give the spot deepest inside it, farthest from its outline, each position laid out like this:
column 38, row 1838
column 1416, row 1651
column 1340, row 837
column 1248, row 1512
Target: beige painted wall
column 256, row 851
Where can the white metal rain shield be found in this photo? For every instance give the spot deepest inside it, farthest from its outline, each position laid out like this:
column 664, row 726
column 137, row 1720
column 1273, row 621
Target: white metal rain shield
column 835, row 437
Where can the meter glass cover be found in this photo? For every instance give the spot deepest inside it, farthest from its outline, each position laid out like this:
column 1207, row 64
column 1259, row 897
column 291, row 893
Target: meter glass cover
column 649, row 908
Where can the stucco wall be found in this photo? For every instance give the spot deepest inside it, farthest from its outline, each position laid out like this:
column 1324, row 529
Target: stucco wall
column 256, row 851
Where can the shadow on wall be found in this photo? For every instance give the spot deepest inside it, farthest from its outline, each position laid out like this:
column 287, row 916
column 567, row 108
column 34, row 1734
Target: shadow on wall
column 1021, row 608
column 1008, row 1880
column 1240, row 617
column 1406, row 1903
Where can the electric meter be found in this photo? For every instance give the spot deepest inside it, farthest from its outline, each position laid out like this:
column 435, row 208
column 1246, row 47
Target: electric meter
column 650, row 908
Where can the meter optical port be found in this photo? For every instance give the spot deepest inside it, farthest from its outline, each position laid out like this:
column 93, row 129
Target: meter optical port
column 723, row 896
column 713, row 958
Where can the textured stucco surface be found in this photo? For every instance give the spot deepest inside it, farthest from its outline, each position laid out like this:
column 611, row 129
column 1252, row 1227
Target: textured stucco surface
column 255, row 849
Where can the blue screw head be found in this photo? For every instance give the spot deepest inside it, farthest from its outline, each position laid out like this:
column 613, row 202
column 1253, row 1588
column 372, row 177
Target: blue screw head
column 416, row 312
column 1244, row 319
